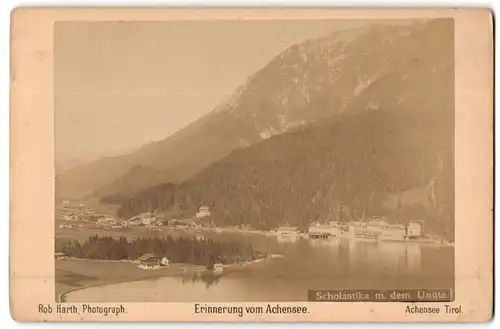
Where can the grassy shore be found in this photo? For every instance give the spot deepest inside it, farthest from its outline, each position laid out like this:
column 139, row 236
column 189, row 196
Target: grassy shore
column 72, row 274
column 79, row 274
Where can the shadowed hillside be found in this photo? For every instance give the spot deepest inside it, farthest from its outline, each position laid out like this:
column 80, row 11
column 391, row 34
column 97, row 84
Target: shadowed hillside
column 357, row 160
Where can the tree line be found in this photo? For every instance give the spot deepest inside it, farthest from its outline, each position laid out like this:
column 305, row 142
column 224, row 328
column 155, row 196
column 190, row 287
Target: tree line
column 177, row 250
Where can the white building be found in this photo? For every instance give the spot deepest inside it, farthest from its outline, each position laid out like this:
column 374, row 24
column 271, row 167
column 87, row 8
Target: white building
column 218, row 267
column 354, row 226
column 107, row 220
column 164, row 261
column 287, row 231
column 414, row 229
column 70, row 217
column 393, row 232
column 203, row 211
column 145, row 219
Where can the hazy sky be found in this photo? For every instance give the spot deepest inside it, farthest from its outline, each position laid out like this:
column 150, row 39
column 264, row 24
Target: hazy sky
column 119, row 85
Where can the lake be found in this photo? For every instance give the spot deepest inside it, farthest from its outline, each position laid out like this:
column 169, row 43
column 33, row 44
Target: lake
column 335, row 263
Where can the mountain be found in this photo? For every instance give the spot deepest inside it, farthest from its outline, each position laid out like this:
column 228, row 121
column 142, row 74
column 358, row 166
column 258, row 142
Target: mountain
column 132, row 181
column 63, row 162
column 375, row 67
column 389, row 152
column 357, row 160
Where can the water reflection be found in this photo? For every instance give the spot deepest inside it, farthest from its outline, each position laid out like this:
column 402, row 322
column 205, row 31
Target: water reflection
column 209, row 278
column 355, row 256
column 322, row 264
column 288, row 239
column 329, row 242
column 414, row 257
column 385, row 257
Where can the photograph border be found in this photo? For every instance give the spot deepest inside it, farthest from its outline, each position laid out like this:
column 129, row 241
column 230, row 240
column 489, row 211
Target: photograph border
column 32, row 167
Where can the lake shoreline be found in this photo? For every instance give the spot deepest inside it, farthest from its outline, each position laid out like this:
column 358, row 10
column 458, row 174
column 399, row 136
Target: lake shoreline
column 342, row 236
column 110, row 272
column 78, row 271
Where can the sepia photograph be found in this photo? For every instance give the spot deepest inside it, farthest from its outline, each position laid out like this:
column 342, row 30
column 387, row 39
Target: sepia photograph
column 253, row 160
column 251, row 165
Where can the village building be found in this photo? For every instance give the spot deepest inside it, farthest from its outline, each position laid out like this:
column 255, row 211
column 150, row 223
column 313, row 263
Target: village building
column 378, row 223
column 70, row 217
column 164, row 261
column 144, row 219
column 91, row 217
column 334, row 223
column 377, row 228
column 59, row 255
column 395, row 232
column 151, row 261
column 414, row 230
column 106, row 220
column 287, row 230
column 244, row 227
column 363, row 230
column 203, row 211
column 136, row 221
column 87, row 216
